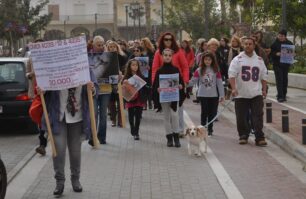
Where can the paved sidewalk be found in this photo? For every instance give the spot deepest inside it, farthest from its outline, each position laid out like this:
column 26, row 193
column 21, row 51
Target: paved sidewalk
column 125, row 168
column 130, row 169
column 296, row 99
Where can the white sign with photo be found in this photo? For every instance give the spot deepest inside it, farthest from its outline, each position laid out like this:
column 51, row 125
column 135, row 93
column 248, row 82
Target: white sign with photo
column 169, row 88
column 287, row 54
column 131, row 87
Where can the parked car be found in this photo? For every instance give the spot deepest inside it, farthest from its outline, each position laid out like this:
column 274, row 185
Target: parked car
column 3, row 180
column 14, row 99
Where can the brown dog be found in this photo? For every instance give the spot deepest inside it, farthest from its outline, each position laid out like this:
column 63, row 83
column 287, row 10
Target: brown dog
column 197, row 140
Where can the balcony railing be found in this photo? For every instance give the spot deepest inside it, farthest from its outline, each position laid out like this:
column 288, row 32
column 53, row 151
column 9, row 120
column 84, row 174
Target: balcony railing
column 84, row 19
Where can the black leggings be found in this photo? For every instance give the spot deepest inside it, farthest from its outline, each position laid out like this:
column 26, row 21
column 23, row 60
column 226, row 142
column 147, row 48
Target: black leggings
column 209, row 108
column 135, row 112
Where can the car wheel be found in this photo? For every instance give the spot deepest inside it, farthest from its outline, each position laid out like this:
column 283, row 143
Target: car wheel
column 3, row 180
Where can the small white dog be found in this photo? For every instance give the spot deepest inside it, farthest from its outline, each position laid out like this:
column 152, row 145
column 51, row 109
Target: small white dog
column 197, row 140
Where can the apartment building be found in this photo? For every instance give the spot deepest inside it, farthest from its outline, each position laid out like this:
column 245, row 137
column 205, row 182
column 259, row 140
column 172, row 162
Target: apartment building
column 109, row 18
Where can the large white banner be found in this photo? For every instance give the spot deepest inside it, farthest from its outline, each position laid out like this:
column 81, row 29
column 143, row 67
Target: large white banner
column 60, row 64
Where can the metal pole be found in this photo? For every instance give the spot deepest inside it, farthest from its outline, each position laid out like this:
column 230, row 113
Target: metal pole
column 269, row 112
column 285, row 121
column 284, row 14
column 162, row 14
column 126, row 15
column 96, row 21
column 304, row 131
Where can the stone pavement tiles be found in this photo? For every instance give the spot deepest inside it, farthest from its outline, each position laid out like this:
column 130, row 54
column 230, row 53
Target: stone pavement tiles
column 256, row 174
column 130, row 169
column 14, row 146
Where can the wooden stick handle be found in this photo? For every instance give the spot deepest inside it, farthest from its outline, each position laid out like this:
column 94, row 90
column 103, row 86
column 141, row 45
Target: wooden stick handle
column 92, row 119
column 123, row 121
column 50, row 135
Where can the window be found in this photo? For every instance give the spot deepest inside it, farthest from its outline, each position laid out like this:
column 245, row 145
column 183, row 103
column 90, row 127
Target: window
column 54, row 9
column 12, row 73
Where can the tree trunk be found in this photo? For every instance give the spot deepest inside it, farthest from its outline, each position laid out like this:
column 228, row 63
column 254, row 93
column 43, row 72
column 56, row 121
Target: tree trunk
column 223, row 10
column 206, row 18
column 148, row 16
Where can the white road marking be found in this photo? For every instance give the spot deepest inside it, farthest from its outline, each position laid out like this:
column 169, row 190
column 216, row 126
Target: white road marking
column 223, row 177
column 286, row 105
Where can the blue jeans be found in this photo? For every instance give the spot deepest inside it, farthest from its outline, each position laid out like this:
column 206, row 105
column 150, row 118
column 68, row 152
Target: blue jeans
column 103, row 101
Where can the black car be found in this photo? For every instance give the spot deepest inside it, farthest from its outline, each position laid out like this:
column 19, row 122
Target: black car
column 3, row 180
column 14, row 99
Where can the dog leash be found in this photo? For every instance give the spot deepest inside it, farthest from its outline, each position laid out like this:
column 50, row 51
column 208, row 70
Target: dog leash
column 219, row 113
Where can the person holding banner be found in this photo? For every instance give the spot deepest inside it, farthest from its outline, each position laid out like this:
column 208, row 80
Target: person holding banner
column 148, row 51
column 114, row 104
column 101, row 102
column 280, row 69
column 170, row 109
column 135, row 106
column 69, row 115
column 167, row 40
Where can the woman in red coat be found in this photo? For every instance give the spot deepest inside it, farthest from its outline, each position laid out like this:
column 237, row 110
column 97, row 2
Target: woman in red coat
column 167, row 40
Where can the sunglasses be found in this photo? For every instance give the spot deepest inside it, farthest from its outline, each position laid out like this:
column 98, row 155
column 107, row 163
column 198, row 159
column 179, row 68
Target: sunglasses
column 167, row 39
column 136, row 50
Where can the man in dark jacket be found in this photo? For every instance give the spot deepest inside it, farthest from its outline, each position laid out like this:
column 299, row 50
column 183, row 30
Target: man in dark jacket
column 280, row 69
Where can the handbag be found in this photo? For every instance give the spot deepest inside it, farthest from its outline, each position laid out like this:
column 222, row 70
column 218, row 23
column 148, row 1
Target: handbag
column 36, row 110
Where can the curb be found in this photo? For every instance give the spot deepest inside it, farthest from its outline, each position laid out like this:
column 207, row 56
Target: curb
column 284, row 142
column 14, row 172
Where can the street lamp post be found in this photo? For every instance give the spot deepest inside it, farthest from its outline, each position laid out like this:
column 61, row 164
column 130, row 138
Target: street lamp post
column 96, row 21
column 127, row 15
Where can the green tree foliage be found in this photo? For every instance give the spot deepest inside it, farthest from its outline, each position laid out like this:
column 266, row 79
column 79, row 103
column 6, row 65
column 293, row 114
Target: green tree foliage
column 19, row 12
column 189, row 15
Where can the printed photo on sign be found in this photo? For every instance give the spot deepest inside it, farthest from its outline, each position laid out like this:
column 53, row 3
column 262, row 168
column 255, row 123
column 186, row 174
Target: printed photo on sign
column 60, row 64
column 131, row 87
column 144, row 65
column 113, row 79
column 207, row 80
column 105, row 66
column 287, row 54
column 169, row 88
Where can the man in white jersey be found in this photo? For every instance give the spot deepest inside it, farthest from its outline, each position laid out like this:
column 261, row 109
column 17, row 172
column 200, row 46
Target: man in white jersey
column 247, row 76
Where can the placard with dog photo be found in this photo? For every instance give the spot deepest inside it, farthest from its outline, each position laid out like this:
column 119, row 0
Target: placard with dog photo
column 169, row 88
column 287, row 54
column 105, row 67
column 144, row 65
column 131, row 87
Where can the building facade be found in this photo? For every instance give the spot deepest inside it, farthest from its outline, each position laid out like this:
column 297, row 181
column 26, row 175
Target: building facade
column 126, row 19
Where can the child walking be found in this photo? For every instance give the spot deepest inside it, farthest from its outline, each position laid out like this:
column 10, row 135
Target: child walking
column 135, row 106
column 211, row 89
column 170, row 109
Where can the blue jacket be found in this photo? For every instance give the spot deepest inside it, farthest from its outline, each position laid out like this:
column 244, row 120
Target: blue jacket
column 52, row 99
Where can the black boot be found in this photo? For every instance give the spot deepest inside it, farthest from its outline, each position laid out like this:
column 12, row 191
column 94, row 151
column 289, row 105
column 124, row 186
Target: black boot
column 169, row 140
column 59, row 189
column 176, row 140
